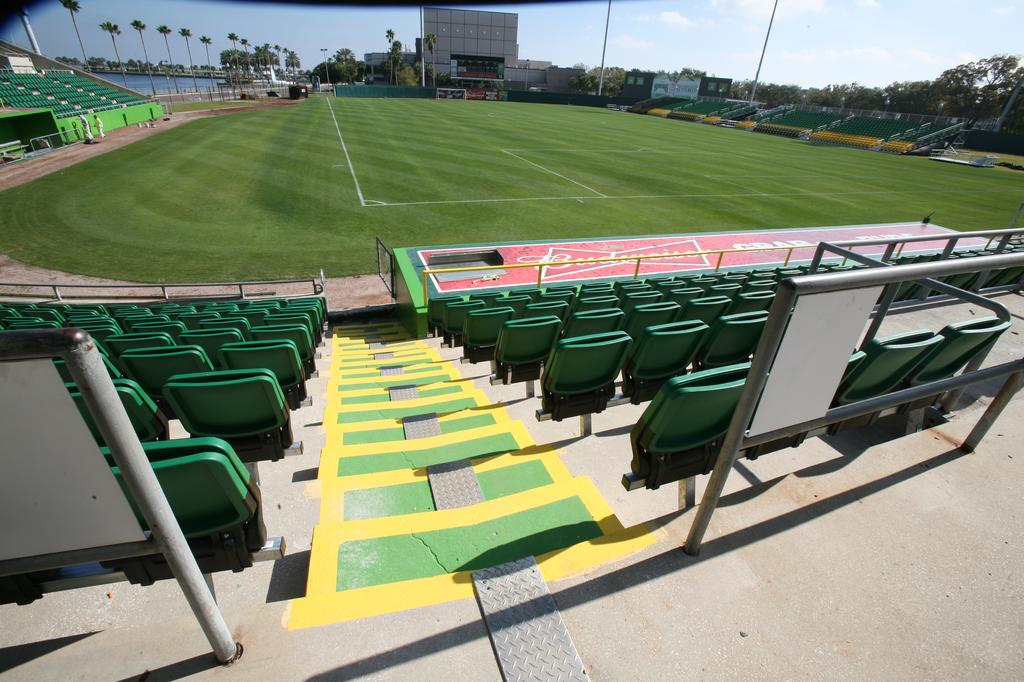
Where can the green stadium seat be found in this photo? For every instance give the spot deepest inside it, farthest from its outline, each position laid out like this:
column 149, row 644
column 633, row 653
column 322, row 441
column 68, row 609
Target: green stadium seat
column 579, row 376
column 553, row 296
column 729, row 289
column 731, row 339
column 245, row 407
column 152, row 367
column 706, row 309
column 192, row 320
column 454, row 319
column 662, row 352
column 751, row 302
column 534, row 294
column 522, row 347
column 960, row 343
column 887, row 362
column 211, row 340
column 240, row 324
column 480, row 332
column 678, row 435
column 647, row 314
column 119, row 343
column 586, row 322
column 584, row 303
column 256, row 317
column 488, row 297
column 559, row 309
column 296, row 333
column 516, row 303
column 683, row 295
column 214, row 500
column 435, row 312
column 297, row 316
column 146, row 419
column 175, row 329
column 631, row 299
column 280, row 356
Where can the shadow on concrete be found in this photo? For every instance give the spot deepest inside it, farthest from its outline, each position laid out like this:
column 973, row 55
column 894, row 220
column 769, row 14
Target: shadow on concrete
column 19, row 654
column 303, row 475
column 288, row 579
column 177, row 671
column 651, row 568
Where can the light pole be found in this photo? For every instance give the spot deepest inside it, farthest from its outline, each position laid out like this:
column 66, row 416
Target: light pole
column 753, row 91
column 604, row 46
column 327, row 73
column 423, row 53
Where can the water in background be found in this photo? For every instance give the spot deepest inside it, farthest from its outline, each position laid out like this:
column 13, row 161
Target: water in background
column 140, row 82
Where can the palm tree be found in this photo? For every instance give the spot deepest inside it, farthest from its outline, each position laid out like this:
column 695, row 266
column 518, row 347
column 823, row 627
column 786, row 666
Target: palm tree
column 277, row 55
column 113, row 30
column 390, row 35
column 233, row 37
column 291, row 60
column 245, row 46
column 73, row 7
column 165, row 31
column 430, row 40
column 140, row 27
column 186, row 34
column 206, row 43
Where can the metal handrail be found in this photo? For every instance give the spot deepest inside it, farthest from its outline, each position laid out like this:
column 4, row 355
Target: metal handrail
column 318, row 284
column 789, row 291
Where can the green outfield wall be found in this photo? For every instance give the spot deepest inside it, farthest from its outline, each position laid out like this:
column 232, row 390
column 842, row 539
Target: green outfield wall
column 112, row 119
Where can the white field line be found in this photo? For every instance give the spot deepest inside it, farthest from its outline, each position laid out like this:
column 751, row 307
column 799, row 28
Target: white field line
column 344, row 148
column 548, row 170
column 690, row 196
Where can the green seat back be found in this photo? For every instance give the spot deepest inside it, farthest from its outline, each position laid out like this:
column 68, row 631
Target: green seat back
column 488, row 297
column 227, row 403
column 280, row 356
column 732, row 339
column 454, row 318
column 759, row 284
column 296, row 333
column 551, row 296
column 516, row 303
column 751, row 302
column 887, row 361
column 255, row 316
column 691, row 410
column 142, row 411
column 483, row 326
column 559, row 309
column 435, row 308
column 238, row 323
column 632, row 299
column 152, row 367
column 210, row 340
column 585, row 363
column 587, row 322
column 527, row 340
column 729, row 289
column 960, row 342
column 596, row 303
column 683, row 295
column 706, row 309
column 290, row 316
column 119, row 343
column 173, row 328
column 646, row 314
column 665, row 350
column 206, row 485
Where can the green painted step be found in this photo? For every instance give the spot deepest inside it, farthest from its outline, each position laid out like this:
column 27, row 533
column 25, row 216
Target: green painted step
column 552, row 526
column 441, row 408
column 398, row 433
column 416, row 459
column 385, row 397
column 412, row 498
column 396, row 380
column 430, row 366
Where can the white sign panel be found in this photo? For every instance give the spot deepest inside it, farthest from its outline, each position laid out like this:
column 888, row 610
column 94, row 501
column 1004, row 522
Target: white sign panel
column 663, row 86
column 57, row 492
column 822, row 334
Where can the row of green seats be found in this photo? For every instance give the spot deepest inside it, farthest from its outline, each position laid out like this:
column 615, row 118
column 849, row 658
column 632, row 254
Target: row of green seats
column 679, row 434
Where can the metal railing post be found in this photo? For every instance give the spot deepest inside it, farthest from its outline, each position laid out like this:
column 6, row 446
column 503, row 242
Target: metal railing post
column 778, row 318
column 995, row 408
column 888, row 296
column 636, row 272
column 87, row 369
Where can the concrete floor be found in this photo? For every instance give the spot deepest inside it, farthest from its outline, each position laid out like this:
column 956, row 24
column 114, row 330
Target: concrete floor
column 849, row 557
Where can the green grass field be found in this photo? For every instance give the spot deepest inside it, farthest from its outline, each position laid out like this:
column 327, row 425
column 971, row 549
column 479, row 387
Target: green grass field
column 271, row 194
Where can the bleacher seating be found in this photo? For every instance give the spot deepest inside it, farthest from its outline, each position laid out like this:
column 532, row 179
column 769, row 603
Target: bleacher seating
column 793, row 122
column 865, row 131
column 66, row 93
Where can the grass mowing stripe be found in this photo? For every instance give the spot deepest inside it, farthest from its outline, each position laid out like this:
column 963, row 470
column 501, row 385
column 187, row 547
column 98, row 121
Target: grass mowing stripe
column 412, row 498
column 416, row 459
column 405, row 557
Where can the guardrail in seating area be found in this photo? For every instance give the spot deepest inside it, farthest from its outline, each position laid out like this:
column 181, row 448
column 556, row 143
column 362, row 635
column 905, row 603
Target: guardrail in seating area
column 317, row 284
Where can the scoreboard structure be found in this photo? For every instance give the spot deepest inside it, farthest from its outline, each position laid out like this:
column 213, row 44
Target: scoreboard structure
column 477, row 68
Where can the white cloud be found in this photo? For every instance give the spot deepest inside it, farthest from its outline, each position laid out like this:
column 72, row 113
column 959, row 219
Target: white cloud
column 869, row 4
column 965, row 57
column 1004, row 10
column 632, row 43
column 675, row 19
column 762, row 9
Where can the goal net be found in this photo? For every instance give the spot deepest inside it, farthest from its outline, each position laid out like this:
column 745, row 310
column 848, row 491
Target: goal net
column 451, row 93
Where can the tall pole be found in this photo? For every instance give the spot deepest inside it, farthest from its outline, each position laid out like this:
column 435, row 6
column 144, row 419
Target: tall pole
column 28, row 31
column 753, row 91
column 423, row 53
column 604, row 46
column 1009, row 107
column 327, row 73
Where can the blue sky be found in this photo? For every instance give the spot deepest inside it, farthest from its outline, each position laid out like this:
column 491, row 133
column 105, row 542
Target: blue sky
column 814, row 42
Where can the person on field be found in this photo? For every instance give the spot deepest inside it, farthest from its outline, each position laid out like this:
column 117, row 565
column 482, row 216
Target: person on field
column 99, row 126
column 86, row 129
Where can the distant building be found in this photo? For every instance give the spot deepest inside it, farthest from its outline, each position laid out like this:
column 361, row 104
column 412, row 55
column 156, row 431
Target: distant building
column 638, row 84
column 472, row 45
